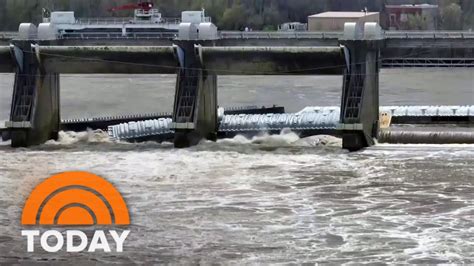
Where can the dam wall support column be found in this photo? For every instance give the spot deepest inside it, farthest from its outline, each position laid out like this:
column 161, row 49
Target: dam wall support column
column 34, row 115
column 207, row 124
column 195, row 105
column 359, row 121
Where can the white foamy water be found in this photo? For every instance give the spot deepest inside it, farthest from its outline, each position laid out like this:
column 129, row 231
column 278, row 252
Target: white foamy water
column 269, row 199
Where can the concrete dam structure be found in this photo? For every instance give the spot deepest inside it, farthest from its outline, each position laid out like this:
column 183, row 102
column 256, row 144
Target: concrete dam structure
column 35, row 114
column 399, row 48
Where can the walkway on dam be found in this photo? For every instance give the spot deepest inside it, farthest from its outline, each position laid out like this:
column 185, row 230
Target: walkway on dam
column 266, row 35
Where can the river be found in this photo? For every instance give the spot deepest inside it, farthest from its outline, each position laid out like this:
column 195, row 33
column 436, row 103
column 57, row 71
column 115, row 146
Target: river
column 270, row 199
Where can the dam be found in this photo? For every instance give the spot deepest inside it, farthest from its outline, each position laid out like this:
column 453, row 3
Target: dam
column 357, row 55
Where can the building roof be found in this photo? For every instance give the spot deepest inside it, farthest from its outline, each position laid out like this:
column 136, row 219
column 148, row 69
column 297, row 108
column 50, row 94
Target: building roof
column 332, row 14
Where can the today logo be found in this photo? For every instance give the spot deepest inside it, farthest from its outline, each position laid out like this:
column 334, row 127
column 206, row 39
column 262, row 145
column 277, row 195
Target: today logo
column 75, row 199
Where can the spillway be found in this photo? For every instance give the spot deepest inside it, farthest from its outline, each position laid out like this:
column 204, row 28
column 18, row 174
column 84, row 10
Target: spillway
column 310, row 119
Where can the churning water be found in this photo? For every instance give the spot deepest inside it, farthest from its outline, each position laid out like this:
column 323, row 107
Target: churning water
column 270, row 199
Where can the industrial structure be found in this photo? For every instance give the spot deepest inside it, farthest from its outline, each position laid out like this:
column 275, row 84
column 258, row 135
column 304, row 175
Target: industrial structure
column 197, row 53
column 334, row 21
column 147, row 21
column 293, row 26
column 35, row 115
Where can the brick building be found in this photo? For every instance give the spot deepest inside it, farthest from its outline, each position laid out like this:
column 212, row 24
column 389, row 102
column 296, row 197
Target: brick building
column 399, row 15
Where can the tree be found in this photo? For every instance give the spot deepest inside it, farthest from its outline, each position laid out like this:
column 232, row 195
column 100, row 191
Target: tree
column 234, row 18
column 467, row 7
column 451, row 17
column 418, row 22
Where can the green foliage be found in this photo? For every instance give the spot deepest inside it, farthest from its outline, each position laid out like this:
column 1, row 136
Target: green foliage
column 446, row 3
column 233, row 18
column 451, row 17
column 269, row 28
column 418, row 22
column 467, row 7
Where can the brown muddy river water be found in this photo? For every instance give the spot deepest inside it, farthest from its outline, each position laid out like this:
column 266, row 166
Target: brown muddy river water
column 271, row 199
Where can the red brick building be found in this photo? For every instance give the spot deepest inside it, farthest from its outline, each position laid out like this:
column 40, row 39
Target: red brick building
column 399, row 15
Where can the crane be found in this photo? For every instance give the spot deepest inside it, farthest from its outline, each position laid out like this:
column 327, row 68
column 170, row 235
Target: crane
column 144, row 11
column 146, row 6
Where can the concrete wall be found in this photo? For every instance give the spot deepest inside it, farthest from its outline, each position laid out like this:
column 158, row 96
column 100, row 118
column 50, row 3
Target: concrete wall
column 273, row 60
column 337, row 24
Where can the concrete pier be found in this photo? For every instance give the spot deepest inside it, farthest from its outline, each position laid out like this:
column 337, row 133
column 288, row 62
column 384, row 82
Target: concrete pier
column 35, row 115
column 207, row 123
column 195, row 105
column 360, row 96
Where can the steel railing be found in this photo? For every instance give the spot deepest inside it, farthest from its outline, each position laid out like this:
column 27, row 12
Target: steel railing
column 118, row 35
column 243, row 34
column 282, row 35
column 338, row 34
column 123, row 20
column 278, row 35
column 429, row 34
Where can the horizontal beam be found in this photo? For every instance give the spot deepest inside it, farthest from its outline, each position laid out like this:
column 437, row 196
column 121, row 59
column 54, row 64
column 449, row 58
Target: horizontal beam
column 245, row 60
column 108, row 59
column 233, row 60
column 428, row 62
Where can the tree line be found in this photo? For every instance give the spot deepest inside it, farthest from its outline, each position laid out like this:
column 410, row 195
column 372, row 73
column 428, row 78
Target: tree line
column 236, row 14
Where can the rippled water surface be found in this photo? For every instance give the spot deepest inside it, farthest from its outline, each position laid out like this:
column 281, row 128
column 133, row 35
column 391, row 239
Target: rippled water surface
column 271, row 199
